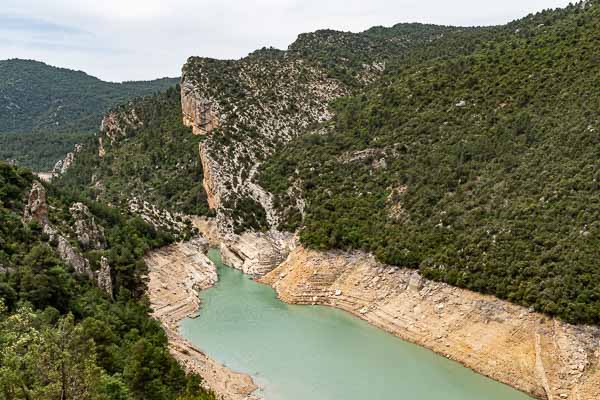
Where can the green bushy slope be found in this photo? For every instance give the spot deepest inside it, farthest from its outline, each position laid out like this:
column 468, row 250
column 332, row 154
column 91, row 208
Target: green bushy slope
column 36, row 97
column 156, row 160
column 62, row 337
column 479, row 169
column 45, row 110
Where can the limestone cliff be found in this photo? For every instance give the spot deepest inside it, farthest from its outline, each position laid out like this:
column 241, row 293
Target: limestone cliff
column 249, row 108
column 89, row 234
column 536, row 354
column 63, row 165
column 37, row 207
column 198, row 112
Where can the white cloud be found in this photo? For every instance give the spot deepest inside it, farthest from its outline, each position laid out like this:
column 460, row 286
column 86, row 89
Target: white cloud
column 144, row 39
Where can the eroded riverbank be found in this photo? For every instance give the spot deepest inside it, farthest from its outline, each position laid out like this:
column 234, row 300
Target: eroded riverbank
column 176, row 274
column 538, row 355
column 298, row 352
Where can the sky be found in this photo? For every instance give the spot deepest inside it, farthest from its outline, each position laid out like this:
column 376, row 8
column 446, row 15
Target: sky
column 119, row 40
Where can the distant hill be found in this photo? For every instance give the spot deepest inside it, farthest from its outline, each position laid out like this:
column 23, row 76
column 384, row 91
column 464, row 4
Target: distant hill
column 36, row 97
column 60, row 104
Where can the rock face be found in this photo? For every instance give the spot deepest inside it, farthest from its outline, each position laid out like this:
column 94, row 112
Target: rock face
column 37, row 207
column 68, row 254
column 209, row 182
column 199, row 113
column 37, row 210
column 89, row 234
column 253, row 253
column 541, row 356
column 63, row 165
column 274, row 99
column 256, row 253
column 103, row 278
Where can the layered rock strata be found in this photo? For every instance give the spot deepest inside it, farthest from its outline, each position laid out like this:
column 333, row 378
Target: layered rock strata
column 544, row 357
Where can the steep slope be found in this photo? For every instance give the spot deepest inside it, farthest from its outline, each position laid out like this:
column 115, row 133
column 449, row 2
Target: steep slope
column 73, row 321
column 143, row 154
column 240, row 112
column 253, row 106
column 45, row 110
column 480, row 170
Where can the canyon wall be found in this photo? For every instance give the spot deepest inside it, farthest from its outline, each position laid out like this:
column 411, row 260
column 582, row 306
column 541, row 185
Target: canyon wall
column 539, row 355
column 248, row 108
column 199, row 113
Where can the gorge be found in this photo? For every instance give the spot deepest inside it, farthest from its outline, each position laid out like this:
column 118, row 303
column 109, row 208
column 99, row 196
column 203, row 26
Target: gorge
column 437, row 183
column 299, row 352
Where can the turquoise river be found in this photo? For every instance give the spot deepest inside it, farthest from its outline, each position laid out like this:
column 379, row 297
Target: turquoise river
column 297, row 352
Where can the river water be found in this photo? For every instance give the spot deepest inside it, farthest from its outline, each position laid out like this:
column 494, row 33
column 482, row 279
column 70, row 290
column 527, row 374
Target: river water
column 299, row 352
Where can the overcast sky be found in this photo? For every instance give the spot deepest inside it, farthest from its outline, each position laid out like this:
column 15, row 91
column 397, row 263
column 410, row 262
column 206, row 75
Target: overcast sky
column 144, row 39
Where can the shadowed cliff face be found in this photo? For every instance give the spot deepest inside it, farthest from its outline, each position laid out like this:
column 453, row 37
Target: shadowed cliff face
column 198, row 112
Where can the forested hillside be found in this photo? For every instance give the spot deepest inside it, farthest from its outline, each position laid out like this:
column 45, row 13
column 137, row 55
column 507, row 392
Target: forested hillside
column 44, row 109
column 479, row 169
column 472, row 155
column 62, row 335
column 147, row 153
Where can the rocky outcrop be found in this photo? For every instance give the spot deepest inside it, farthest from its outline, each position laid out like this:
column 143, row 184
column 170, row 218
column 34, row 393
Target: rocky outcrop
column 37, row 210
column 67, row 252
column 529, row 351
column 256, row 253
column 103, row 278
column 37, row 207
column 176, row 273
column 89, row 234
column 175, row 223
column 199, row 113
column 63, row 165
column 258, row 105
column 116, row 125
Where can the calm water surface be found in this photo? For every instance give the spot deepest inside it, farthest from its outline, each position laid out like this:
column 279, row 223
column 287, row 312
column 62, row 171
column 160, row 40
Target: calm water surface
column 320, row 353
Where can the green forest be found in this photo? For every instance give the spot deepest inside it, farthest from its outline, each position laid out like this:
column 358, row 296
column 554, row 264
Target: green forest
column 479, row 169
column 45, row 110
column 157, row 161
column 61, row 336
column 40, row 152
